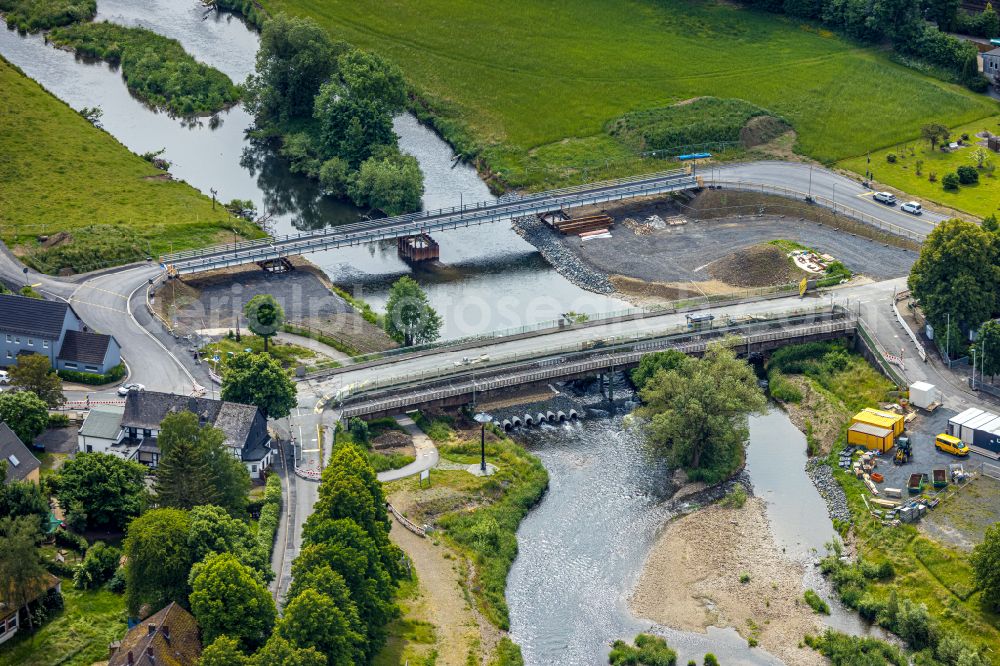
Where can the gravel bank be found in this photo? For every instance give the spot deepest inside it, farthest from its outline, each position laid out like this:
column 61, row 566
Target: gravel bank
column 691, row 580
column 564, row 260
column 829, row 489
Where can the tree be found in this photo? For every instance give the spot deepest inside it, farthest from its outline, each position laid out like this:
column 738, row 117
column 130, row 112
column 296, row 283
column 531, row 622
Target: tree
column 409, row 318
column 699, row 411
column 295, row 56
column 110, row 490
column 313, row 620
column 258, row 379
column 212, row 530
column 223, row 651
column 227, row 598
column 34, row 373
column 393, row 184
column 20, row 566
column 98, row 566
column 21, row 498
column 264, row 316
column 328, row 582
column 951, row 182
column 335, row 176
column 158, row 559
column 352, row 128
column 25, row 413
column 957, row 275
column 986, row 566
column 967, row 175
column 980, row 156
column 196, row 467
column 651, row 364
column 935, row 133
column 369, row 76
column 991, row 224
column 942, row 12
column 988, row 344
column 279, row 652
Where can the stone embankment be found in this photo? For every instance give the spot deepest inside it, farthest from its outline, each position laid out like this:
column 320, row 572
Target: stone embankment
column 566, row 262
column 831, row 492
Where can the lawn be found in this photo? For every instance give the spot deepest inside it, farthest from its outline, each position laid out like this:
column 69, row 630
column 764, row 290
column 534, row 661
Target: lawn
column 982, row 199
column 61, row 174
column 515, row 82
column 288, row 355
column 77, row 636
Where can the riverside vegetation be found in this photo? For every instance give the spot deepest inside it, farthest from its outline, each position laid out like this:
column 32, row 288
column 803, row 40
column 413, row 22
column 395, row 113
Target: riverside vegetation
column 35, row 15
column 156, row 69
column 841, row 97
column 112, row 207
column 916, row 587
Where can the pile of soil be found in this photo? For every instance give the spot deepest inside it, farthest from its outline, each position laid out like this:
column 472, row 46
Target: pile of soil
column 755, row 266
column 392, row 439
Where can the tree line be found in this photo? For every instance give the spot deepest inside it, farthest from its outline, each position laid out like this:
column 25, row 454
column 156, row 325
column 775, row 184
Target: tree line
column 902, row 23
column 331, row 107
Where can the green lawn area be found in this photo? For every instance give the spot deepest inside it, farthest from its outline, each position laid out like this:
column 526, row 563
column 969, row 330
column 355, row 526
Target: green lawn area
column 533, row 84
column 982, row 199
column 288, row 355
column 77, row 636
column 61, row 174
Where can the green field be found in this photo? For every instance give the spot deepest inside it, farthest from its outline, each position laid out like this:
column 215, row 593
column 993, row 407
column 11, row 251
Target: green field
column 982, row 199
column 543, row 79
column 61, row 174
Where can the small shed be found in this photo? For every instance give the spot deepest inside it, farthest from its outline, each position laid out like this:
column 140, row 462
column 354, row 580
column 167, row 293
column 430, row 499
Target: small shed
column 870, row 436
column 898, row 420
column 922, row 394
column 955, row 423
column 991, row 63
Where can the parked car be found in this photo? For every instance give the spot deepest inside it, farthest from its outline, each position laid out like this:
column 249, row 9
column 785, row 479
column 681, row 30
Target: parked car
column 887, row 198
column 912, row 207
column 950, row 444
column 4, row 377
column 125, row 388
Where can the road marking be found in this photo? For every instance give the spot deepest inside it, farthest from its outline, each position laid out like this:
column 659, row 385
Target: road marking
column 864, row 194
column 106, row 291
column 97, row 305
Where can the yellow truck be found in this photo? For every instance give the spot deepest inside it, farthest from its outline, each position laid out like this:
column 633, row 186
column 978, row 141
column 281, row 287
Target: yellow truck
column 952, row 445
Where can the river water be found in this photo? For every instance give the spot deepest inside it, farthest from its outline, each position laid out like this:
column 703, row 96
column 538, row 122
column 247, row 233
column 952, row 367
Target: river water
column 488, row 278
column 582, row 548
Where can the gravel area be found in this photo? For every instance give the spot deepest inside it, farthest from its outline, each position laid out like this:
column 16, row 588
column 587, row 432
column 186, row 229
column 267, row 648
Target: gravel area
column 831, row 492
column 685, row 252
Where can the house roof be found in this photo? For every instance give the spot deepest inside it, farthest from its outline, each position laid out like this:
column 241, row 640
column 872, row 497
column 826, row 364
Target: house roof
column 103, row 423
column 869, row 429
column 85, row 347
column 44, row 583
column 256, row 452
column 168, row 637
column 994, row 52
column 20, row 461
column 147, row 409
column 32, row 316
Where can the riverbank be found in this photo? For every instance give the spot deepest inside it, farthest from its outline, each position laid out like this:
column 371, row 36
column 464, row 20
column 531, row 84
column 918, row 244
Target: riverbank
column 693, row 579
column 74, row 199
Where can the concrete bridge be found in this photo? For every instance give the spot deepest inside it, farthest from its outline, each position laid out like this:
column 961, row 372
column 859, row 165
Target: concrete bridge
column 274, row 249
column 585, row 360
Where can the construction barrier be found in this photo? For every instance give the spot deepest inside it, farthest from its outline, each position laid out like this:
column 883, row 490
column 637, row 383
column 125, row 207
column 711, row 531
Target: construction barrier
column 308, row 474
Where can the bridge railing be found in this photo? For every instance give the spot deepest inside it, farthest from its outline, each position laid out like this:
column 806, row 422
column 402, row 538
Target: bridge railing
column 628, row 357
column 502, row 208
column 641, row 341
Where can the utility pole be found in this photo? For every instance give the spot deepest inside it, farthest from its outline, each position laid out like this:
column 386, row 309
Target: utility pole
column 947, row 340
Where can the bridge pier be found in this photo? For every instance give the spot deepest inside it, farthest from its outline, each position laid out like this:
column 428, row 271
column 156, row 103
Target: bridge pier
column 418, row 248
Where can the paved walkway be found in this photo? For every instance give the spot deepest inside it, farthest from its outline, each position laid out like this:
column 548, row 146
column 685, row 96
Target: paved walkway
column 427, row 453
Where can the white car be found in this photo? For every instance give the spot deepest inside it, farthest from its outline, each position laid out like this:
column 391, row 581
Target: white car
column 887, row 198
column 4, row 377
column 912, row 207
column 125, row 388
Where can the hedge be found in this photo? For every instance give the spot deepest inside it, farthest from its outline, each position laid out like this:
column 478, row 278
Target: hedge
column 270, row 515
column 93, row 379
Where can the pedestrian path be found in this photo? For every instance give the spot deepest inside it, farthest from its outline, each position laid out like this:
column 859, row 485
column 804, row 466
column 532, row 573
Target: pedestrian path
column 427, row 453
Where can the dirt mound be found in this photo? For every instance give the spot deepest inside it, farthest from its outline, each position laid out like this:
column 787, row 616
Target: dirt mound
column 755, row 266
column 55, row 240
column 762, row 129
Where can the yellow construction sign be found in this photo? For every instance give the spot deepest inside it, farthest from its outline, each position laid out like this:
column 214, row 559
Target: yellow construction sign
column 802, row 287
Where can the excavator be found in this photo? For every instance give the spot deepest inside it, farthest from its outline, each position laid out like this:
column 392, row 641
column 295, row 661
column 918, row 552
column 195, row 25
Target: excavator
column 903, row 451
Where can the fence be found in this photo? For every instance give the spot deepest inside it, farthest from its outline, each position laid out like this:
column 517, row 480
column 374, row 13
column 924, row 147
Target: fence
column 879, row 355
column 405, row 522
column 921, row 352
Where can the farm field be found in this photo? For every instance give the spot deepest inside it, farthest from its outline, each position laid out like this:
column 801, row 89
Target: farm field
column 531, row 90
column 982, row 199
column 61, row 174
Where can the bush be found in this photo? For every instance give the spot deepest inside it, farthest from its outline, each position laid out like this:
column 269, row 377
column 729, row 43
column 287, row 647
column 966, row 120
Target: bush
column 648, row 651
column 782, row 389
column 950, row 182
column 58, row 421
column 744, row 578
column 117, row 582
column 816, row 603
column 735, row 498
column 98, row 566
column 845, row 650
column 967, row 175
column 913, row 624
column 359, row 430
column 270, row 515
column 891, row 158
column 35, row 15
column 710, row 660
column 932, row 176
column 93, row 379
column 66, row 539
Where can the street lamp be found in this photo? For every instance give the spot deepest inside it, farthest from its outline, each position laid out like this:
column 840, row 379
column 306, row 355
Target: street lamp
column 482, row 418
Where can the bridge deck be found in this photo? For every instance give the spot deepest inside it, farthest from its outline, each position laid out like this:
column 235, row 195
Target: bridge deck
column 235, row 254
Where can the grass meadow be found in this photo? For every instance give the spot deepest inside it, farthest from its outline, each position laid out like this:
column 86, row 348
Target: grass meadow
column 60, row 173
column 982, row 199
column 531, row 90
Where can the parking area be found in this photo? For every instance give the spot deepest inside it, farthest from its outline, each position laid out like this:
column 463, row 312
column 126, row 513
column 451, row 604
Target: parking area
column 921, row 432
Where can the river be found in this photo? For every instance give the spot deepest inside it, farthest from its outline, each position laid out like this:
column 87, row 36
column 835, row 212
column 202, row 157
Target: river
column 582, row 548
column 488, row 278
